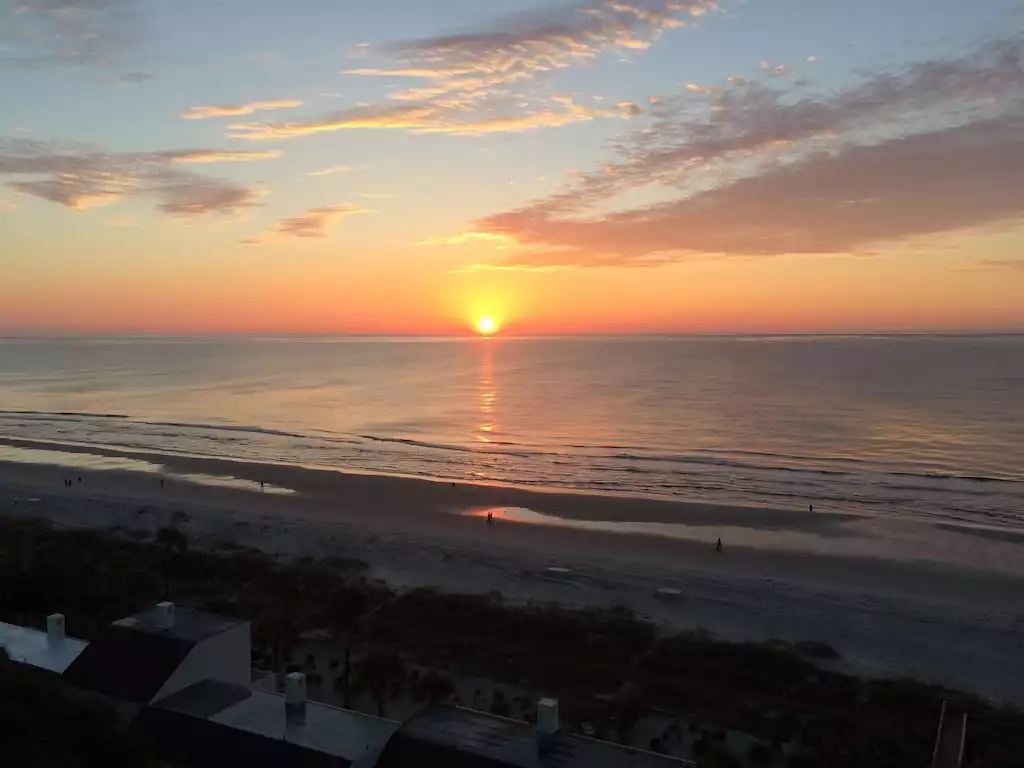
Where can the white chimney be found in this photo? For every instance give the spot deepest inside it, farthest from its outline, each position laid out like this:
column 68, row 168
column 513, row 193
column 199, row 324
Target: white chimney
column 55, row 628
column 547, row 716
column 295, row 699
column 164, row 616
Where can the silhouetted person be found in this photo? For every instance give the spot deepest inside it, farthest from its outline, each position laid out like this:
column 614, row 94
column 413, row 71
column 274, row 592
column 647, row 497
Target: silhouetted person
column 261, row 485
column 79, row 478
column 810, row 507
column 718, row 546
column 161, row 482
column 490, row 518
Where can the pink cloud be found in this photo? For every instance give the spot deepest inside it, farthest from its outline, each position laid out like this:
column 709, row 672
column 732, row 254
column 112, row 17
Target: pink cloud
column 79, row 177
column 313, row 223
column 478, row 82
column 235, row 110
column 830, row 202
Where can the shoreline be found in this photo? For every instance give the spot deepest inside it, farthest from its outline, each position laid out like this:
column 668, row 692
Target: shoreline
column 935, row 621
column 794, row 531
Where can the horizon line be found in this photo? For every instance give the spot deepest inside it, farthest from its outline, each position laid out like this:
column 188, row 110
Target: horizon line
column 271, row 335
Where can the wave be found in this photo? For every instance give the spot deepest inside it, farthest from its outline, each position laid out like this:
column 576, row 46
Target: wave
column 125, row 418
column 951, row 476
column 449, row 447
column 625, row 459
column 66, row 413
column 226, row 428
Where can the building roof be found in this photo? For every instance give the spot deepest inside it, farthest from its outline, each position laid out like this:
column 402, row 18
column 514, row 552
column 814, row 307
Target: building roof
column 328, row 730
column 453, row 736
column 31, row 646
column 190, row 625
column 127, row 664
column 133, row 657
column 194, row 741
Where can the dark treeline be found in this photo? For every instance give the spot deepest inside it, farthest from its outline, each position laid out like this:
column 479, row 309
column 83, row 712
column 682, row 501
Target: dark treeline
column 607, row 666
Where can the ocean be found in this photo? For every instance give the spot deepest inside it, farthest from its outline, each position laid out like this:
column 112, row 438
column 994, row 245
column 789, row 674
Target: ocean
column 928, row 428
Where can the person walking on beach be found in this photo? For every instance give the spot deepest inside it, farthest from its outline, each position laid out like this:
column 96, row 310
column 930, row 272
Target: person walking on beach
column 810, row 507
column 261, row 485
column 490, row 518
column 718, row 546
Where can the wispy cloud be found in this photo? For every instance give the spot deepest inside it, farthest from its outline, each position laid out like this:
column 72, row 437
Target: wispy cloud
column 540, row 41
column 429, row 118
column 235, row 110
column 332, row 170
column 313, row 223
column 762, row 170
column 828, row 203
column 137, row 77
column 203, row 156
column 478, row 82
column 377, row 195
column 39, row 33
column 1001, row 264
column 81, row 177
column 122, row 222
column 468, row 237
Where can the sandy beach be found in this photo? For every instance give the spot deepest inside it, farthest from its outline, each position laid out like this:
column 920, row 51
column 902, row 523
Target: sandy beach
column 932, row 602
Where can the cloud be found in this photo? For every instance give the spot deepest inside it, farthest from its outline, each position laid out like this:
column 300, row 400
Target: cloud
column 830, row 202
column 333, row 169
column 467, row 237
column 761, row 170
column 479, row 82
column 234, row 110
column 202, row 156
column 80, row 177
column 312, row 223
column 702, row 136
column 424, row 119
column 122, row 222
column 1000, row 264
column 377, row 195
column 137, row 77
column 511, row 268
column 39, row 33
column 543, row 40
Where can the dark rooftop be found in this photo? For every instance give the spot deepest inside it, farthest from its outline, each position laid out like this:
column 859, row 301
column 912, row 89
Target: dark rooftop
column 127, row 665
column 328, row 731
column 200, row 743
column 453, row 736
column 206, row 698
column 189, row 625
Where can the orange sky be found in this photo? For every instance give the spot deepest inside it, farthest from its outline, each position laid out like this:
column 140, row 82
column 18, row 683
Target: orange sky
column 635, row 166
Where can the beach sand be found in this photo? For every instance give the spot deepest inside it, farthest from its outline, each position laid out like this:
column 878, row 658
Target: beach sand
column 937, row 603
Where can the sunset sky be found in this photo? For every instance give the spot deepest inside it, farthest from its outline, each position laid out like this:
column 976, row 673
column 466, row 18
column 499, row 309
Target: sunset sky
column 405, row 166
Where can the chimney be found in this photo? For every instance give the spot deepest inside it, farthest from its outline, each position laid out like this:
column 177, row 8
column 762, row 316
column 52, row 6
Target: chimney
column 55, row 629
column 295, row 700
column 547, row 716
column 164, row 616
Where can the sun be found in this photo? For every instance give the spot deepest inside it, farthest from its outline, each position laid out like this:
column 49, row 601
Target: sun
column 486, row 325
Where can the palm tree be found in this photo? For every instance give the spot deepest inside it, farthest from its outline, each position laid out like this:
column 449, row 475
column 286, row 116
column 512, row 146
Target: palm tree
column 347, row 608
column 173, row 545
column 382, row 673
column 277, row 633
